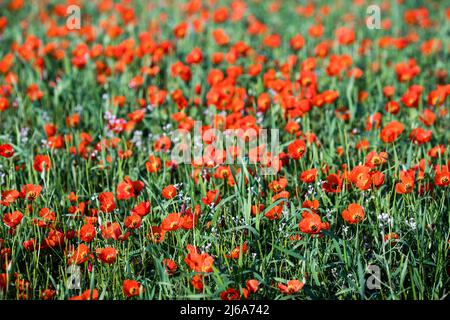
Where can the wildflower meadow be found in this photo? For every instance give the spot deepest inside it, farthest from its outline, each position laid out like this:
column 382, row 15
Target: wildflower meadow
column 224, row 149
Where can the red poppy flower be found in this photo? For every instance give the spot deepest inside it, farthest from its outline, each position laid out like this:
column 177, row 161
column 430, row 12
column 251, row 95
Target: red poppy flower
column 156, row 234
column 189, row 218
column 133, row 221
column 345, row 36
column 311, row 223
column 13, row 219
column 79, row 255
column 132, row 288
column 128, row 189
column 252, row 285
column 309, row 176
column 420, row 136
column 212, row 197
column 230, row 294
column 410, row 98
column 236, row 252
column 47, row 218
column 377, row 178
column 442, row 176
column 169, row 192
column 171, row 222
column 142, row 208
column 312, row 205
column 106, row 200
column 106, row 255
column 48, row 294
column 4, row 104
column 170, row 265
column 274, row 213
column 87, row 233
column 297, row 42
column 353, row 214
column 406, row 71
column 198, row 262
column 86, row 295
column 180, row 30
column 392, row 107
column 436, row 151
column 360, row 176
column 297, row 149
column 374, row 159
column 54, row 239
column 333, row 183
column 197, row 282
column 113, row 231
column 427, row 117
column 293, row 286
column 407, row 182
column 391, row 131
column 6, row 150
column 278, row 185
column 195, row 56
column 30, row 191
column 153, row 164
column 9, row 197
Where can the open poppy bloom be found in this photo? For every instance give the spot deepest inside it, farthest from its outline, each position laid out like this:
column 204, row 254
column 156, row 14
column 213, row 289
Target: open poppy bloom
column 128, row 189
column 297, row 149
column 171, row 222
column 420, row 136
column 141, row 209
column 42, row 163
column 189, row 218
column 156, row 234
column 169, row 192
column 8, row 197
column 252, row 285
column 374, row 159
column 292, row 287
column 133, row 221
column 200, row 149
column 406, row 184
column 113, row 231
column 230, row 294
column 13, row 219
column 87, row 233
column 6, row 150
column 170, row 265
column 236, row 252
column 132, row 288
column 31, row 192
column 311, row 223
column 106, row 200
column 353, row 214
column 197, row 282
column 391, row 131
column 79, row 255
column 153, row 164
column 212, row 197
column 309, row 176
column 198, row 262
column 442, row 176
column 333, row 183
column 360, row 176
column 106, row 255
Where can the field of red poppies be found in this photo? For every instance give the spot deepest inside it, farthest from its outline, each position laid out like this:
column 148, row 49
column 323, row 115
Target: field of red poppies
column 116, row 183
